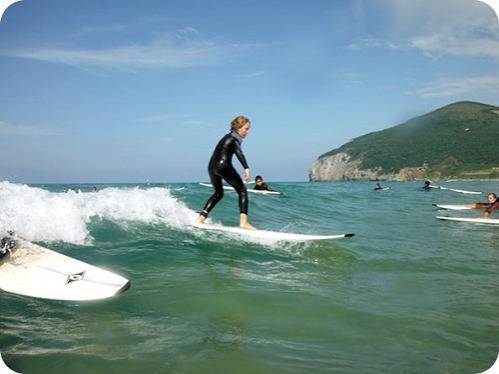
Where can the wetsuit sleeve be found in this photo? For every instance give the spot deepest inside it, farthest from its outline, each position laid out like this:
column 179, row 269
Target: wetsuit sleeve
column 239, row 153
column 482, row 205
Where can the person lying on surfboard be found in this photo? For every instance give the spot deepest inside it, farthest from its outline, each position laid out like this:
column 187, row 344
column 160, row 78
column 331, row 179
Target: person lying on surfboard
column 260, row 184
column 427, row 185
column 220, row 167
column 490, row 207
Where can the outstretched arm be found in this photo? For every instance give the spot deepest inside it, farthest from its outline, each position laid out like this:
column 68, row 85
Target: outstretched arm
column 480, row 206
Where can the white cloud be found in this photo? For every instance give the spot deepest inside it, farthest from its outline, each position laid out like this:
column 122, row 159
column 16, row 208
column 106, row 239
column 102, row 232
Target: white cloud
column 164, row 139
column 452, row 86
column 169, row 117
column 250, row 76
column 456, row 27
column 180, row 49
column 440, row 44
column 175, row 119
column 197, row 122
column 494, row 4
column 102, row 29
column 10, row 129
column 372, row 42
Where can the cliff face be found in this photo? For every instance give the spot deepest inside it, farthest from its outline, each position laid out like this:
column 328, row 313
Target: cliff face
column 340, row 167
column 458, row 140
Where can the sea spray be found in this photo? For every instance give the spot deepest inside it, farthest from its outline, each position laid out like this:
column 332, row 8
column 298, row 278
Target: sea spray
column 40, row 215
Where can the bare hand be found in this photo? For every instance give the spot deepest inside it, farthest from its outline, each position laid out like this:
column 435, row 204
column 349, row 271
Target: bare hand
column 247, row 175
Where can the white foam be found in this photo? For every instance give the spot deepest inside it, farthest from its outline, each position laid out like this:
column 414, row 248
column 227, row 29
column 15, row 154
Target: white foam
column 39, row 215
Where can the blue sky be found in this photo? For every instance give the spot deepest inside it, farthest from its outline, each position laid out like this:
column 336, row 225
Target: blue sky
column 129, row 91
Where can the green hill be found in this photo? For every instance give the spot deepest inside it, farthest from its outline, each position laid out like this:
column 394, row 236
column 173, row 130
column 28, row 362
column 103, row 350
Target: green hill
column 458, row 140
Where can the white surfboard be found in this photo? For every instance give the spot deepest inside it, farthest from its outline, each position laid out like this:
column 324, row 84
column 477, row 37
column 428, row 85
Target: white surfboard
column 229, row 188
column 489, row 221
column 32, row 270
column 453, row 206
column 272, row 235
column 4, row 369
column 455, row 190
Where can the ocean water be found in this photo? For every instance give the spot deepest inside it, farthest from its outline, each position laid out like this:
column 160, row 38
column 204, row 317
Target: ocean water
column 408, row 293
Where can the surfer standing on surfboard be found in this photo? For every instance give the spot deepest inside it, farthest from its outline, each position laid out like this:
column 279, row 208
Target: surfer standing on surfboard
column 220, row 167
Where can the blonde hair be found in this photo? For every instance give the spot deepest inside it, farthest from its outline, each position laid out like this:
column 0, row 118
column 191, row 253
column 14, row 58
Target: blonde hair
column 238, row 122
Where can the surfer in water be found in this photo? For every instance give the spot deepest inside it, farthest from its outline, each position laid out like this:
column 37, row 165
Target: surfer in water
column 427, row 185
column 260, row 184
column 220, row 167
column 378, row 187
column 490, row 207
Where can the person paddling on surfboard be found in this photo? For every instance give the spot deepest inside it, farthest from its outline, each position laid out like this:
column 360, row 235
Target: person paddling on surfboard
column 427, row 185
column 378, row 187
column 220, row 167
column 260, row 184
column 490, row 207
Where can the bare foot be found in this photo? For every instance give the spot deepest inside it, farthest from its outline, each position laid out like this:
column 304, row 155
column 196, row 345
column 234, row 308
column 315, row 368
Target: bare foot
column 201, row 219
column 243, row 223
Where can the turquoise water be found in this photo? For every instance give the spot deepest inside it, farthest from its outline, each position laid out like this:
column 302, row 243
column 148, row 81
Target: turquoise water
column 407, row 294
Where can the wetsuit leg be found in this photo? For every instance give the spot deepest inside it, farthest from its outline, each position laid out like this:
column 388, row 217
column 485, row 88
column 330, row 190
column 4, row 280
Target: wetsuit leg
column 231, row 176
column 216, row 181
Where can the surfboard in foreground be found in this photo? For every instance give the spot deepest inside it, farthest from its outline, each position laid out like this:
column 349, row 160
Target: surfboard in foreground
column 228, row 188
column 32, row 270
column 272, row 235
column 455, row 190
column 488, row 221
column 4, row 369
column 453, row 206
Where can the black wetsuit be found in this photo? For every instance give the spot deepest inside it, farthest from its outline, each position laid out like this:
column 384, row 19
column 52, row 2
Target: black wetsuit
column 220, row 167
column 263, row 187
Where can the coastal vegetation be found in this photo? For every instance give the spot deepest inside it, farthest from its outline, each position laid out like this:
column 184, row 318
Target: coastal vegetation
column 459, row 140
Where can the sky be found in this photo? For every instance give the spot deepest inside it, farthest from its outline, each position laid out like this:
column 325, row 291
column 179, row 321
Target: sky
column 102, row 91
